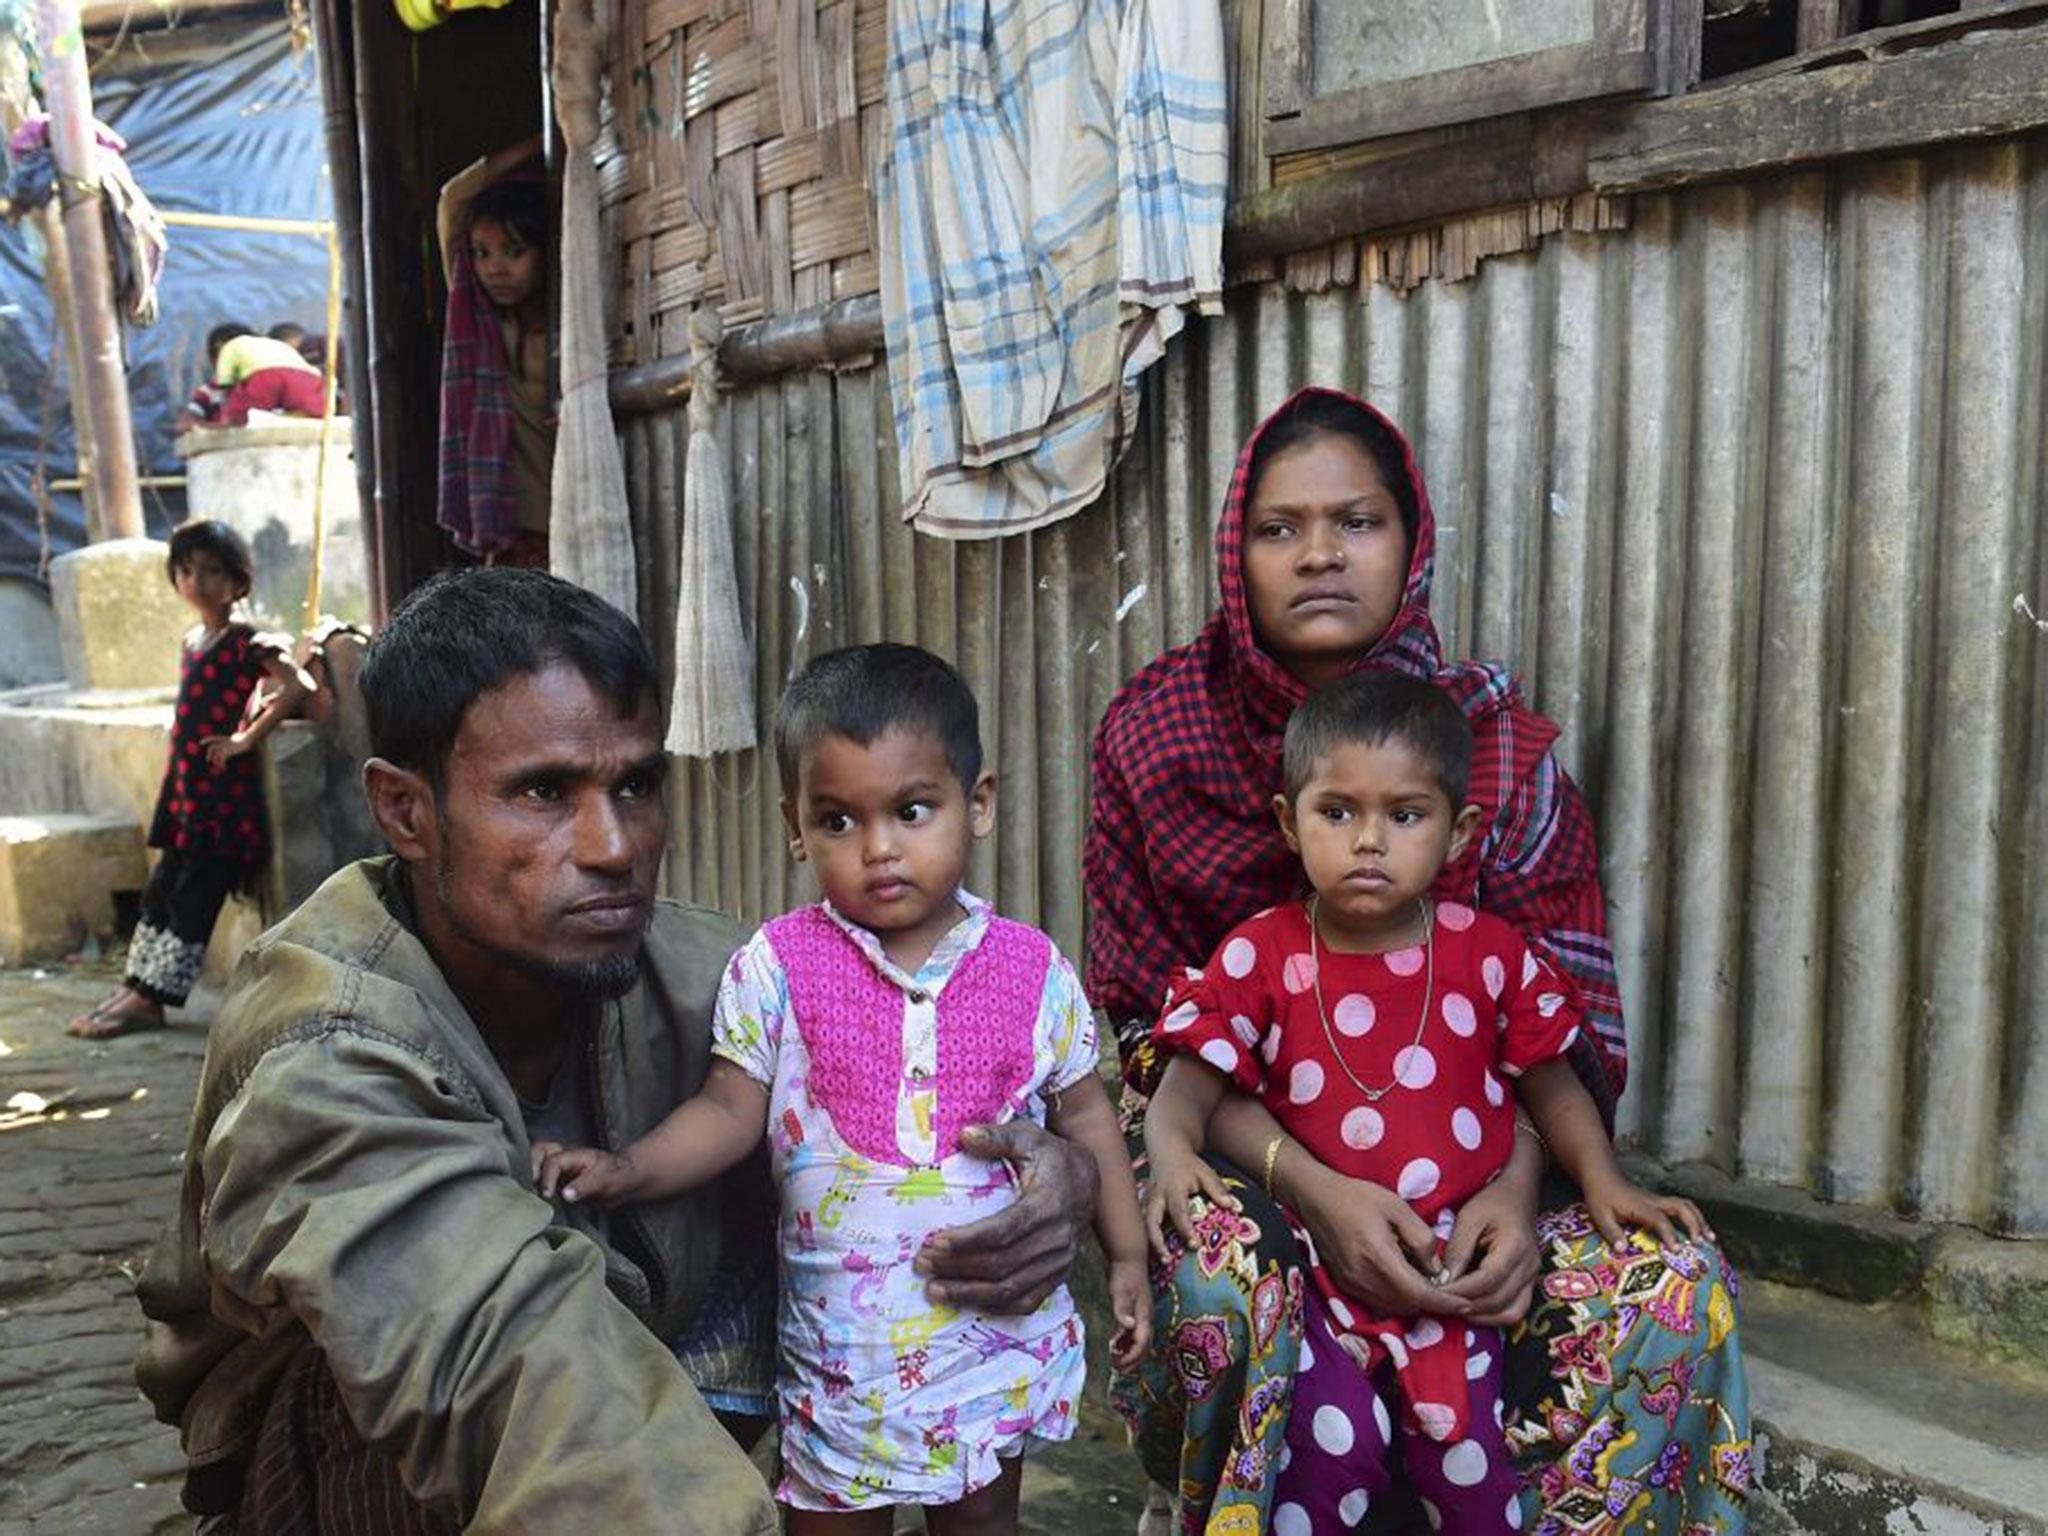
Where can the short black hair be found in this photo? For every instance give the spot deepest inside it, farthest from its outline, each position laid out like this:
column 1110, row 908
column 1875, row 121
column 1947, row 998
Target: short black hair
column 464, row 632
column 221, row 335
column 865, row 691
column 289, row 332
column 1371, row 708
column 520, row 204
column 1324, row 414
column 207, row 536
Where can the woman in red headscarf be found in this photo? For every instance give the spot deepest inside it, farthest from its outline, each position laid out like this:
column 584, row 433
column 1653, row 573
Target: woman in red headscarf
column 1325, row 553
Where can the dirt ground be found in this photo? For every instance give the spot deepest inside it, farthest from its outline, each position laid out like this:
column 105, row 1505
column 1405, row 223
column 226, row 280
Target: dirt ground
column 91, row 1142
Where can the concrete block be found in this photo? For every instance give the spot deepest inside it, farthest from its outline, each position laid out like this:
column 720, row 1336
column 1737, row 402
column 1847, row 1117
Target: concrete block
column 29, row 652
column 118, row 620
column 94, row 753
column 1991, row 1295
column 259, row 480
column 58, row 878
column 1773, row 1232
column 1864, row 1424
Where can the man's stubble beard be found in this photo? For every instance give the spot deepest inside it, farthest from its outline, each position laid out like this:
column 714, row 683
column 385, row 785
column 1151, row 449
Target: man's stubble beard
column 573, row 980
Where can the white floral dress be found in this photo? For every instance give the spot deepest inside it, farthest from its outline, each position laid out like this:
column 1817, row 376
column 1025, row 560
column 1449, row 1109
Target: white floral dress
column 885, row 1398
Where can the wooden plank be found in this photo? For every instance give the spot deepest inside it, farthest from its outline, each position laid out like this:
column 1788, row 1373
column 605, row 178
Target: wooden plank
column 737, row 124
column 1947, row 92
column 775, row 251
column 666, row 16
column 827, row 220
column 871, row 51
column 856, row 275
column 700, row 171
column 643, row 301
column 838, row 102
column 796, row 55
column 1250, row 169
column 874, row 150
column 719, row 63
column 739, row 237
column 1820, row 21
column 813, row 287
column 669, row 130
column 684, row 244
column 787, row 162
column 763, row 19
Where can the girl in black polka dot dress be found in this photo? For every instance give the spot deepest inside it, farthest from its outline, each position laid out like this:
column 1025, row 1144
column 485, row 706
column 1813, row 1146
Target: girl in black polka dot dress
column 234, row 686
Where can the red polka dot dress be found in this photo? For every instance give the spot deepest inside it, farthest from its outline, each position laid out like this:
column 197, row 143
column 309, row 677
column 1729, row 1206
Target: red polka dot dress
column 217, row 812
column 1394, row 1068
column 209, row 822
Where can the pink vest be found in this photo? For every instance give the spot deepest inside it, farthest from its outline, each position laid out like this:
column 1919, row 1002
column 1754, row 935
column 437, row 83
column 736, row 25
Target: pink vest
column 851, row 1020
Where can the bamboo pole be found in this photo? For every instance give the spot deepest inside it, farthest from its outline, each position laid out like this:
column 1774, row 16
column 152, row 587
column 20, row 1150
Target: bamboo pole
column 67, row 93
column 249, row 223
column 326, row 429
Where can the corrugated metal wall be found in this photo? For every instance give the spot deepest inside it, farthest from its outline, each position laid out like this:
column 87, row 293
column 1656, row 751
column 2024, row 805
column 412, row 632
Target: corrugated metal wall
column 1749, row 492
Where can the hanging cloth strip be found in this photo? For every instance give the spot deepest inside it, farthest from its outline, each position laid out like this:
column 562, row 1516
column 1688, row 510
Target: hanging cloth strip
column 713, row 707
column 136, row 236
column 1051, row 207
column 590, row 537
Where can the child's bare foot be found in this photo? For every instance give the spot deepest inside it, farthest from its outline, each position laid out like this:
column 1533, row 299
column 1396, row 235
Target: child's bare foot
column 124, row 1012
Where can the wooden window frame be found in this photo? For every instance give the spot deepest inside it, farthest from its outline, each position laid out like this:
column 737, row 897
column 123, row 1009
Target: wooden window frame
column 1630, row 55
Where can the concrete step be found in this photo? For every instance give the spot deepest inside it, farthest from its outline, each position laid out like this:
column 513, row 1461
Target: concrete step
column 1865, row 1424
column 89, row 753
column 60, row 875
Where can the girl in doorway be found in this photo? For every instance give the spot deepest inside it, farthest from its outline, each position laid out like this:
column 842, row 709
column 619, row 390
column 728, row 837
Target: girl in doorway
column 497, row 422
column 234, row 687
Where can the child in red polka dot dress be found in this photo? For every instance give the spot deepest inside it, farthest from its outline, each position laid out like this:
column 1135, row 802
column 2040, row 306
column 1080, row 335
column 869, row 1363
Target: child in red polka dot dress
column 1383, row 1032
column 209, row 830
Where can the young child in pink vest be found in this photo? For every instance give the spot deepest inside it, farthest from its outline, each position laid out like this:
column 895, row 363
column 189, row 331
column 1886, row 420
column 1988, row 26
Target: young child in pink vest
column 863, row 1034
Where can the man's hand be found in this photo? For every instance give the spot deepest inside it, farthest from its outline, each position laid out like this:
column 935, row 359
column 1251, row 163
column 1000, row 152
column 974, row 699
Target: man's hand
column 583, row 1173
column 1498, row 1225
column 1010, row 1262
column 1374, row 1246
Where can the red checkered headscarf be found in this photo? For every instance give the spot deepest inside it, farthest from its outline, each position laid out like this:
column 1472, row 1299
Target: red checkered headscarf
column 1182, row 844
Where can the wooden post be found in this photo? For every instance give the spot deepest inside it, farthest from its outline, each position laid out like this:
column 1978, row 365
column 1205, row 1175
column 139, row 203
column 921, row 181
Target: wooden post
column 1820, row 22
column 67, row 93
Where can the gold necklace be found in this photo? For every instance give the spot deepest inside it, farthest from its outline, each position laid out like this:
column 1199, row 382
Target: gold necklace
column 1315, row 960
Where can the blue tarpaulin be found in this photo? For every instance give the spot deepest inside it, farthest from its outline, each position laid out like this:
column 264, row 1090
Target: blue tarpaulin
column 218, row 119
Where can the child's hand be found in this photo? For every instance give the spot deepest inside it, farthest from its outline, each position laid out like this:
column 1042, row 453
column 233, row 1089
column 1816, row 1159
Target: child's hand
column 1621, row 1204
column 220, row 748
column 1130, row 1300
column 1176, row 1180
column 583, row 1173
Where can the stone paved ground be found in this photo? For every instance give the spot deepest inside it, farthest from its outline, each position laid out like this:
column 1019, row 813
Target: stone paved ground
column 86, row 1179
column 84, row 1185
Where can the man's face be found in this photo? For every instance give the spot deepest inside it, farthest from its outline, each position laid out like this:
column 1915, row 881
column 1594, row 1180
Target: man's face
column 551, row 830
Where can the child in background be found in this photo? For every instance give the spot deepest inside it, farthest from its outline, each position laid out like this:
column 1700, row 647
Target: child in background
column 1378, row 1027
column 497, row 421
column 865, row 1033
column 204, row 408
column 209, row 825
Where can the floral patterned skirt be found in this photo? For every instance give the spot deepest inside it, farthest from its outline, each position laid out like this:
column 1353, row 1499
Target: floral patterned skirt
column 1627, row 1408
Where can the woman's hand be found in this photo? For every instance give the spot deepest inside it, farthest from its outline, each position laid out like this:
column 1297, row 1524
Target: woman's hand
column 1179, row 1177
column 1372, row 1243
column 1010, row 1262
column 1498, row 1227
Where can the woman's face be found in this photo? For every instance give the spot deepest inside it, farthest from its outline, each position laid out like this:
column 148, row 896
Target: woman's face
column 509, row 269
column 1325, row 556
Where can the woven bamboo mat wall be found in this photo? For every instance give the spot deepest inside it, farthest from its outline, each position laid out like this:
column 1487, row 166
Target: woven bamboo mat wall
column 743, row 140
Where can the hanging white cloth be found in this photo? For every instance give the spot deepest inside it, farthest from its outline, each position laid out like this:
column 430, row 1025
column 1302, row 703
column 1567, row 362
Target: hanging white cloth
column 590, row 536
column 712, row 709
